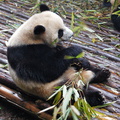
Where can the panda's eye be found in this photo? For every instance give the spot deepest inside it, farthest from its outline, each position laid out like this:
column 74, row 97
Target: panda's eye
column 60, row 33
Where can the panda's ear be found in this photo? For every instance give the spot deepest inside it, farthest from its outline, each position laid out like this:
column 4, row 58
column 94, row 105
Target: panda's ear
column 44, row 7
column 39, row 29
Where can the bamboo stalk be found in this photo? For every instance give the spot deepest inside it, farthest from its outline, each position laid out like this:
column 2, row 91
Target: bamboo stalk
column 3, row 61
column 3, row 50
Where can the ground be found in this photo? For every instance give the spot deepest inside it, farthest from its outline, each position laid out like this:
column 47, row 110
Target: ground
column 100, row 42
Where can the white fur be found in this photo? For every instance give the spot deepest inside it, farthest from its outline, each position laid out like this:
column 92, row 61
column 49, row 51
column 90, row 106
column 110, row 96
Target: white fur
column 51, row 21
column 45, row 90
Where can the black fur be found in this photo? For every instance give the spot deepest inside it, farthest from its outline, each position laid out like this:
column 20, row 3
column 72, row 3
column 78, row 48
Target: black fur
column 45, row 64
column 116, row 19
column 101, row 75
column 94, row 97
column 39, row 29
column 43, row 7
column 60, row 33
column 41, row 63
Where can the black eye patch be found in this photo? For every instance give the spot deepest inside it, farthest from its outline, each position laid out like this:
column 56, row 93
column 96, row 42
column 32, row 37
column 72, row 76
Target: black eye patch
column 60, row 33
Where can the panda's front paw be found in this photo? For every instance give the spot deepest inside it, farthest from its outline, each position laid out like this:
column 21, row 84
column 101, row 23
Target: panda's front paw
column 81, row 63
column 95, row 98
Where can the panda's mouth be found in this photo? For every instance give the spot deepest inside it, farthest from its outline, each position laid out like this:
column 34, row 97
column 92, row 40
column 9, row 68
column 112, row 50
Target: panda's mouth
column 67, row 39
column 55, row 42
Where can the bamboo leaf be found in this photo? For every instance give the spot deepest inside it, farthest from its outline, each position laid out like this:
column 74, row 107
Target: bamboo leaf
column 67, row 114
column 76, row 94
column 55, row 93
column 57, row 98
column 68, row 57
column 107, row 104
column 71, row 57
column 94, row 40
column 75, row 29
column 64, row 91
column 72, row 21
column 74, row 115
column 100, row 38
column 75, row 110
column 66, row 101
column 80, row 55
column 54, row 42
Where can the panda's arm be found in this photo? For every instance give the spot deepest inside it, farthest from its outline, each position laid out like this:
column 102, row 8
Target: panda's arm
column 70, row 51
column 73, row 51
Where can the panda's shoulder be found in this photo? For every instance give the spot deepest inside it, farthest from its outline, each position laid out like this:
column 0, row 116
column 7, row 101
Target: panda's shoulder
column 28, row 50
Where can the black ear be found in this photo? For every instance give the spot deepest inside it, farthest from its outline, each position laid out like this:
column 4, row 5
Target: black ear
column 44, row 7
column 39, row 29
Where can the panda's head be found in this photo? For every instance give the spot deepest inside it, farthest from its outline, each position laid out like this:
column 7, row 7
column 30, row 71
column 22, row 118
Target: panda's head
column 42, row 28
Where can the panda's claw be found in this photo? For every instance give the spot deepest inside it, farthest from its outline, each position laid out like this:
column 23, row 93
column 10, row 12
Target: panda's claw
column 101, row 97
column 106, row 72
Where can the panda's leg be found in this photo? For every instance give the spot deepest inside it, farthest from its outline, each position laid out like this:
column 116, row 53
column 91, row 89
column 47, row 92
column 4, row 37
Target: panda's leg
column 94, row 75
column 94, row 97
column 101, row 75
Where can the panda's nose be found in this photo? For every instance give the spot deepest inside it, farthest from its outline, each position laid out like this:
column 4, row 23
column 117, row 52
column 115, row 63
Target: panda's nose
column 71, row 35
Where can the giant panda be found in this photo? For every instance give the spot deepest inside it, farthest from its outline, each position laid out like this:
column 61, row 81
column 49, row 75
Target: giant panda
column 115, row 18
column 37, row 62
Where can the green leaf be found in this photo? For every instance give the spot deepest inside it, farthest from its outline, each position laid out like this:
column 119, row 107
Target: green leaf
column 54, row 42
column 68, row 57
column 71, row 57
column 57, row 98
column 72, row 21
column 55, row 93
column 107, row 104
column 75, row 29
column 80, row 55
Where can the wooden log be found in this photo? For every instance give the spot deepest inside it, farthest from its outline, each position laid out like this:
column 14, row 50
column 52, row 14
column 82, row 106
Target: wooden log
column 3, row 61
column 98, row 52
column 12, row 97
column 3, row 50
column 6, row 80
